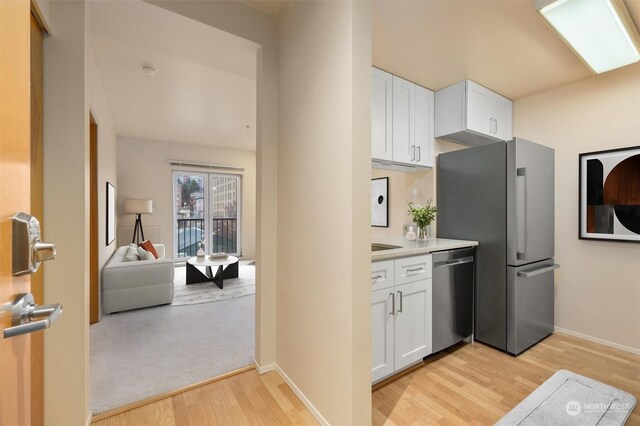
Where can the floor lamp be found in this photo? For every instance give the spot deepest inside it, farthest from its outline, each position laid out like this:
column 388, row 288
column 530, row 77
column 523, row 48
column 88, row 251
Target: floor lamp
column 138, row 207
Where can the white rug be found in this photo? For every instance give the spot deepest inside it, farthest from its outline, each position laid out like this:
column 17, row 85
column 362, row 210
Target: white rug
column 568, row 399
column 233, row 288
column 141, row 353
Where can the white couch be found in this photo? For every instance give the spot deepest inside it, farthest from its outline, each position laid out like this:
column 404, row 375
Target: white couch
column 137, row 284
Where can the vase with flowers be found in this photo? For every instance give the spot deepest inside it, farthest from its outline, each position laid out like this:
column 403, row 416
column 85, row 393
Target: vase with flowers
column 423, row 216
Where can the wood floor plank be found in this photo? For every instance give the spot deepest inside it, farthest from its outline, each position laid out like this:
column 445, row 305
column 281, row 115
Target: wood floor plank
column 477, row 384
column 470, row 384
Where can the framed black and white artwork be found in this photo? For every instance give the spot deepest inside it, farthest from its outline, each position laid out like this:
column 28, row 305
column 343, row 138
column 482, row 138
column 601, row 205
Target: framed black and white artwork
column 610, row 195
column 111, row 213
column 380, row 202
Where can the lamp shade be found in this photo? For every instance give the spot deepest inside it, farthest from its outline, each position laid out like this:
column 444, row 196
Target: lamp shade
column 138, row 206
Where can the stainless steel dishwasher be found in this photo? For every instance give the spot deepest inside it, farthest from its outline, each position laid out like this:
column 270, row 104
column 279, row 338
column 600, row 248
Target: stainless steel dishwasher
column 453, row 278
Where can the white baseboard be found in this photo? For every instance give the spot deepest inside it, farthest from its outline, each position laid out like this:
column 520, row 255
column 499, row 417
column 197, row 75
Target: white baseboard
column 302, row 397
column 264, row 369
column 597, row 340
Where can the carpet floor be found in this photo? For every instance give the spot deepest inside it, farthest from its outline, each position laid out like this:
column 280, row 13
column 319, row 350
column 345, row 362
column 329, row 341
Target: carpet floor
column 141, row 353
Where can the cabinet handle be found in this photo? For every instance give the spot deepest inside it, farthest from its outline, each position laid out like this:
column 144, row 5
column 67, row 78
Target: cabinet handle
column 418, row 149
column 376, row 277
column 400, row 309
column 491, row 125
column 415, row 269
column 496, row 125
column 413, row 152
column 393, row 303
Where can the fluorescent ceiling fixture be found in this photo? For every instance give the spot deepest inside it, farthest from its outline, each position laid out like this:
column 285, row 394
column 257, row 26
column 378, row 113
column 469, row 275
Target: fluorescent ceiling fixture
column 599, row 31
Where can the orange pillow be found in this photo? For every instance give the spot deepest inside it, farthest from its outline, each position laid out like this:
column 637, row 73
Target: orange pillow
column 149, row 247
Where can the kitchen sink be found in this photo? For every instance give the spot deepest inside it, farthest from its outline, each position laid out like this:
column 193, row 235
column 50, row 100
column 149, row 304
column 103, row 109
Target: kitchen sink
column 380, row 247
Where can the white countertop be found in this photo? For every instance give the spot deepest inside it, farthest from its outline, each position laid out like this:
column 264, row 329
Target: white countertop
column 410, row 248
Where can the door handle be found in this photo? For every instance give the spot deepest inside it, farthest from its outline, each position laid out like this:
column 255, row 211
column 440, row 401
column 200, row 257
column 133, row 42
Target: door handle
column 27, row 249
column 521, row 212
column 418, row 153
column 400, row 308
column 413, row 152
column 27, row 317
column 539, row 271
column 393, row 303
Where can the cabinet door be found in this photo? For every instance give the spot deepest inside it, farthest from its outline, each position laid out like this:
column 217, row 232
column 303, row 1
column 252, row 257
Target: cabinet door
column 423, row 114
column 381, row 109
column 412, row 322
column 479, row 109
column 403, row 131
column 382, row 317
column 501, row 111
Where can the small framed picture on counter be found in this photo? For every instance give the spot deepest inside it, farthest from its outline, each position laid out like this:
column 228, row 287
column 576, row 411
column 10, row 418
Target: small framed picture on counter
column 380, row 202
column 610, row 195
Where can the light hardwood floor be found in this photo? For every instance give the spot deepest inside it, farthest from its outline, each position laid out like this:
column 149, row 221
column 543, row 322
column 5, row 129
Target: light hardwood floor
column 476, row 384
column 468, row 384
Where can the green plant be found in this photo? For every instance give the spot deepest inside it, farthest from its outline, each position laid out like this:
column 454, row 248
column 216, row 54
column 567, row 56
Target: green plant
column 423, row 216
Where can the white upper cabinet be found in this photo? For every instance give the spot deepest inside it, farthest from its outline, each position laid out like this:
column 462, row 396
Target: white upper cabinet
column 381, row 108
column 471, row 114
column 423, row 114
column 402, row 123
column 403, row 126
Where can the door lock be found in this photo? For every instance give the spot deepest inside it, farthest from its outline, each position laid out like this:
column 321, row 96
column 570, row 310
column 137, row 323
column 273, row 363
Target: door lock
column 28, row 251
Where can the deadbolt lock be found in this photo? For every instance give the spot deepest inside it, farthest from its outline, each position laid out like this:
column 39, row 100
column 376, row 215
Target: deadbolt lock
column 28, row 251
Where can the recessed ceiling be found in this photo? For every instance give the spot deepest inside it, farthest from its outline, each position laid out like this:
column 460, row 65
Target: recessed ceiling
column 501, row 44
column 204, row 91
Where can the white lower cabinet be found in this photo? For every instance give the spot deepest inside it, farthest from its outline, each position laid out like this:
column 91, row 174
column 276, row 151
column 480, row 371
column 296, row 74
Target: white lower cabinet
column 401, row 316
column 382, row 338
column 412, row 330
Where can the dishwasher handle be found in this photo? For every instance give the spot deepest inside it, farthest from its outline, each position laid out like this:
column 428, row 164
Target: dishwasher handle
column 454, row 262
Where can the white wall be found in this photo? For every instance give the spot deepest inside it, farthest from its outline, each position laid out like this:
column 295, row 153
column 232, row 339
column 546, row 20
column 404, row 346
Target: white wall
column 323, row 293
column 598, row 283
column 401, row 187
column 66, row 215
column 144, row 172
column 107, row 145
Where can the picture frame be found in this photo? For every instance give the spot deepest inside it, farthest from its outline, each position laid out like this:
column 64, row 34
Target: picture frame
column 111, row 214
column 380, row 202
column 609, row 195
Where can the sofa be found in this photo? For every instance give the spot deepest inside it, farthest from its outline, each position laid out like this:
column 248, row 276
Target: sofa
column 136, row 284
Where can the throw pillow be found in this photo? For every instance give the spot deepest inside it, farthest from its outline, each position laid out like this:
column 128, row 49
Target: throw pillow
column 132, row 253
column 145, row 255
column 148, row 246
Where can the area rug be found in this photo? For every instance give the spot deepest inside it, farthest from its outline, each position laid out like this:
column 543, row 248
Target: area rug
column 568, row 399
column 233, row 288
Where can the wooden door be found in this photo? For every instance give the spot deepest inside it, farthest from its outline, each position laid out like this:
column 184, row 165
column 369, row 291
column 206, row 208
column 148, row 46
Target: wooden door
column 381, row 109
column 15, row 195
column 21, row 183
column 403, row 131
column 412, row 331
column 382, row 316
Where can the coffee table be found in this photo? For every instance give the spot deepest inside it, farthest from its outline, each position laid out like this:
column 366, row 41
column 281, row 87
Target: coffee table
column 195, row 276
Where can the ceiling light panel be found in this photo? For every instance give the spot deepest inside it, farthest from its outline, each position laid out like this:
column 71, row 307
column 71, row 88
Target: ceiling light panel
column 599, row 31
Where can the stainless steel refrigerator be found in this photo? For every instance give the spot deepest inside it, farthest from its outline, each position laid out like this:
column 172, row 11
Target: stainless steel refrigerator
column 502, row 195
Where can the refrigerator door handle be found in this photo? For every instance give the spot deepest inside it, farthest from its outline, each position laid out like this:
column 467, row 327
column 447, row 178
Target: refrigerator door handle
column 539, row 271
column 521, row 208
